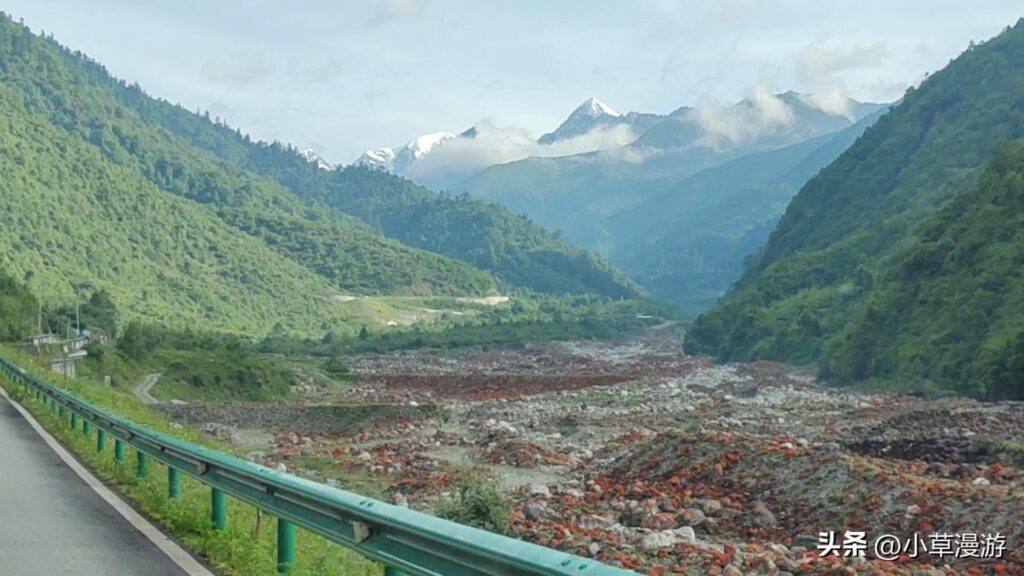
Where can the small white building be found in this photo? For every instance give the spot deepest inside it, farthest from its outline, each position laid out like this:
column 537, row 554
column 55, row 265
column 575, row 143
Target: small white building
column 66, row 365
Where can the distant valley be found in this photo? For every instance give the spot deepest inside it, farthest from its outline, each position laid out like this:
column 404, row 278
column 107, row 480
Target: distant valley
column 676, row 200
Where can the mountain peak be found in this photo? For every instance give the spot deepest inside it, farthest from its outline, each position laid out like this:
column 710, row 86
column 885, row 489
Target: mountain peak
column 421, row 145
column 595, row 108
column 310, row 155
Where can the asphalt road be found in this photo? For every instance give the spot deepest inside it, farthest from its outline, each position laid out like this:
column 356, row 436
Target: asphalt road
column 52, row 523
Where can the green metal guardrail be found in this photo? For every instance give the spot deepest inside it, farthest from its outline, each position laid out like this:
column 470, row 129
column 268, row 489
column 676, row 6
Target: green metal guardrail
column 403, row 540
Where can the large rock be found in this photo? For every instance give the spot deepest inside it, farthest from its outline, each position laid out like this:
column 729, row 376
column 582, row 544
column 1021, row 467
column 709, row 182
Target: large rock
column 535, row 511
column 656, row 540
column 591, row 522
column 661, row 521
column 539, row 490
column 762, row 515
column 692, row 517
column 686, row 533
column 709, row 506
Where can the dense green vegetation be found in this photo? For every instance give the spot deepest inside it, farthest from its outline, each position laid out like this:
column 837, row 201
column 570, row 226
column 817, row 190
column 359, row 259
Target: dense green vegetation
column 539, row 319
column 60, row 103
column 207, row 366
column 948, row 310
column 270, row 191
column 476, row 500
column 75, row 223
column 486, row 235
column 817, row 274
column 17, row 309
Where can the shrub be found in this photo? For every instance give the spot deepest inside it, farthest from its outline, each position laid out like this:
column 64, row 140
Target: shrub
column 476, row 500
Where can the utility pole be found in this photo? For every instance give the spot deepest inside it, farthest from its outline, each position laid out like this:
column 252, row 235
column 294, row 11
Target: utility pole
column 78, row 322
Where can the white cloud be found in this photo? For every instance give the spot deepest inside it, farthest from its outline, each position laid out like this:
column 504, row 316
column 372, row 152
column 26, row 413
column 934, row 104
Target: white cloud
column 732, row 10
column 243, row 70
column 739, row 124
column 821, row 60
column 398, row 10
column 832, row 101
column 499, row 145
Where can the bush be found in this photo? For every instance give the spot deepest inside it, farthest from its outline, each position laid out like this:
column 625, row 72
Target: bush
column 476, row 500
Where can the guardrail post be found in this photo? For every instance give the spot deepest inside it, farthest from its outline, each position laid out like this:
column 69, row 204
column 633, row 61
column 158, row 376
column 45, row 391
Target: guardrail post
column 74, row 421
column 392, row 571
column 218, row 509
column 86, row 427
column 101, row 439
column 142, row 465
column 173, row 482
column 118, row 451
column 285, row 546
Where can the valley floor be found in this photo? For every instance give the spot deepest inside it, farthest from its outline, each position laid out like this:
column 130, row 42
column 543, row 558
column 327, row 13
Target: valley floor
column 638, row 455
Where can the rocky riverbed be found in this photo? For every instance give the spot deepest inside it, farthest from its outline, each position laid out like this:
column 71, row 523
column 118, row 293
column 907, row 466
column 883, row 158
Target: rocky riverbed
column 638, row 455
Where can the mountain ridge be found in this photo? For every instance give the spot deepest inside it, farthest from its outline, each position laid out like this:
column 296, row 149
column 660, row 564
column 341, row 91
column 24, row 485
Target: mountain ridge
column 841, row 232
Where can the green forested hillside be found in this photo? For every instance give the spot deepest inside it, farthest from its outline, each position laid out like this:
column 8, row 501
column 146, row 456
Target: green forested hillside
column 828, row 250
column 73, row 222
column 948, row 310
column 488, row 236
column 75, row 96
column 17, row 307
column 245, row 179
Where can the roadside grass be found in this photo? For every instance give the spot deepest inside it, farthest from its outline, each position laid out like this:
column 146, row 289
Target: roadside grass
column 248, row 545
column 354, row 480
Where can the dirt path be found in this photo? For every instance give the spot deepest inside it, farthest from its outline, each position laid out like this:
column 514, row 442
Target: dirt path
column 141, row 390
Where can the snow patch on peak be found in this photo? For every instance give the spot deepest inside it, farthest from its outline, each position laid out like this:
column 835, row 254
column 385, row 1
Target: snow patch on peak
column 424, row 144
column 310, row 155
column 595, row 108
column 380, row 158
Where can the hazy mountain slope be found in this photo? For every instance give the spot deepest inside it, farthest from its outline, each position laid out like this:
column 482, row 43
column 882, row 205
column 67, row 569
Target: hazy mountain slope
column 827, row 251
column 489, row 237
column 78, row 96
column 578, row 193
column 74, row 222
column 687, row 243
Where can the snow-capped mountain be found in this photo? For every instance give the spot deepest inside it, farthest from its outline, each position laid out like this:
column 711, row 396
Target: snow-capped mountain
column 584, row 118
column 399, row 160
column 312, row 157
column 379, row 158
column 594, row 113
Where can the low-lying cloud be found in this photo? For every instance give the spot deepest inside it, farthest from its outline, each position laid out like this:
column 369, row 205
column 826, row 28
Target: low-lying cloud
column 832, row 101
column 493, row 144
column 724, row 125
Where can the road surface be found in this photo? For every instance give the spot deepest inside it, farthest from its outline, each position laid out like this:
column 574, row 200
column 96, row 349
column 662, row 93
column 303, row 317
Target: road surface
column 143, row 388
column 53, row 523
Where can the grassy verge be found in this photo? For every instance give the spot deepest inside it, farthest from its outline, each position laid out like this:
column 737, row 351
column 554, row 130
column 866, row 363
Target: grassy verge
column 246, row 547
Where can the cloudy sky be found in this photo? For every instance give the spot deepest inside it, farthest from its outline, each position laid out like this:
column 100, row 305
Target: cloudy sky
column 345, row 75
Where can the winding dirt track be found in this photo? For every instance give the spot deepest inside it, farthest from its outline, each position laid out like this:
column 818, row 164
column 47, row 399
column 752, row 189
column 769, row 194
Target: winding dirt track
column 142, row 389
